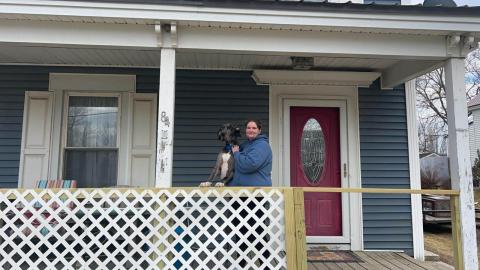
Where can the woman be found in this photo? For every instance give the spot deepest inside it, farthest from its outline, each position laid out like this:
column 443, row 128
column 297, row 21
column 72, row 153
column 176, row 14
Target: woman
column 253, row 158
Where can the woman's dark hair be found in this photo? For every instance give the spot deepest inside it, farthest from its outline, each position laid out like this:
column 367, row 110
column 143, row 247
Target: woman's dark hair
column 256, row 121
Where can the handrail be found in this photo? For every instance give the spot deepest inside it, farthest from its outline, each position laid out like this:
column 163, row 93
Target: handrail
column 446, row 192
column 454, row 207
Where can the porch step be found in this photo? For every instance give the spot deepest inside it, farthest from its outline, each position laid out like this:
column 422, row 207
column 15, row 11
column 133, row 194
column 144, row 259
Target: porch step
column 431, row 257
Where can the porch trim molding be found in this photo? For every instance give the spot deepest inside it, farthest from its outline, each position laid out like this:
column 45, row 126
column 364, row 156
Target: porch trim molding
column 279, row 18
column 278, row 94
column 414, row 169
column 92, row 82
column 308, row 77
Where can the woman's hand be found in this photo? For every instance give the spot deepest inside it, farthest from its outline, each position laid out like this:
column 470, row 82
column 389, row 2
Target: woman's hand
column 235, row 149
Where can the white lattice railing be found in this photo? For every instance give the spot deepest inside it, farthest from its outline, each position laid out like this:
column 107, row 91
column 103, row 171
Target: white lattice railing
column 143, row 229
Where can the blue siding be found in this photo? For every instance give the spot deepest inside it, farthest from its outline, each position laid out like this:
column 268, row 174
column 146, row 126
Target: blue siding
column 384, row 156
column 204, row 100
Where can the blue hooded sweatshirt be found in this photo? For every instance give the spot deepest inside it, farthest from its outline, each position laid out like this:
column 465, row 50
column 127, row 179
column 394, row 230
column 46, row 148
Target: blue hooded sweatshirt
column 253, row 163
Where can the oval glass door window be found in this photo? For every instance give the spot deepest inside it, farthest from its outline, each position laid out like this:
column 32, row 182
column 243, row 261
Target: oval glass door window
column 313, row 150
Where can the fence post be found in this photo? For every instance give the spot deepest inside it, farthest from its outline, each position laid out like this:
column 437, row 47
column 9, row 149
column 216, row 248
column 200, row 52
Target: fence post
column 300, row 228
column 456, row 232
column 290, row 241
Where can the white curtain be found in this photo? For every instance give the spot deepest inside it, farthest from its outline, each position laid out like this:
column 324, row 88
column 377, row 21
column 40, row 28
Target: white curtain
column 91, row 156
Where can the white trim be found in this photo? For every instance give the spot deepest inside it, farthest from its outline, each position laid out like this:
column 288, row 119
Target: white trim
column 270, row 40
column 92, row 82
column 298, row 77
column 138, row 13
column 414, row 168
column 392, row 46
column 279, row 93
column 120, row 130
column 63, row 84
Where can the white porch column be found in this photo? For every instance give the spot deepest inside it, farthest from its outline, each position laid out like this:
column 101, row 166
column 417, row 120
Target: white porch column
column 166, row 110
column 460, row 166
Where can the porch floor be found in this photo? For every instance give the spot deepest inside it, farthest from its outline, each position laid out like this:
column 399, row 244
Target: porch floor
column 381, row 261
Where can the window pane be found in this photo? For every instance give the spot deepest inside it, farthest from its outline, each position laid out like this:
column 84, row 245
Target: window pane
column 92, row 122
column 91, row 168
column 313, row 150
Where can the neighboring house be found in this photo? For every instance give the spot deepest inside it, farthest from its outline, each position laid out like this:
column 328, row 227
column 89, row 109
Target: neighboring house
column 132, row 93
column 474, row 126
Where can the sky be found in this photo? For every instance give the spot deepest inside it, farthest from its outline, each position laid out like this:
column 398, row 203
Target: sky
column 459, row 2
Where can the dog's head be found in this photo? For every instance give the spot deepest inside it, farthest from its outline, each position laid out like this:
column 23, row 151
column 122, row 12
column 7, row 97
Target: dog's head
column 229, row 134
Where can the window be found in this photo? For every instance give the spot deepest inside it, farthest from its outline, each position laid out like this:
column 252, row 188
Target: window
column 93, row 128
column 91, row 148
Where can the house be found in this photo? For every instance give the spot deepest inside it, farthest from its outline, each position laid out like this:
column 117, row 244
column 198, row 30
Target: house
column 126, row 92
column 474, row 126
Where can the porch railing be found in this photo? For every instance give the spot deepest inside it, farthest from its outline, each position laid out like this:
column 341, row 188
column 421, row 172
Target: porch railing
column 454, row 206
column 177, row 228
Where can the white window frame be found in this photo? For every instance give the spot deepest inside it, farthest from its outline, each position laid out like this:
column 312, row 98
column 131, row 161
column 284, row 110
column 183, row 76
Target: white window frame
column 63, row 135
column 64, row 84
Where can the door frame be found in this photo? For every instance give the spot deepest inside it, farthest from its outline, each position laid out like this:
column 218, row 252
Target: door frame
column 283, row 96
column 285, row 161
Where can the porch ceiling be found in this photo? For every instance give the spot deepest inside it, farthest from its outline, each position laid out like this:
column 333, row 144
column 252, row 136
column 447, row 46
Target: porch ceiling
column 150, row 58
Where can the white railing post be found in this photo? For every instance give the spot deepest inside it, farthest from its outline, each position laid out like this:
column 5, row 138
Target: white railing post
column 459, row 154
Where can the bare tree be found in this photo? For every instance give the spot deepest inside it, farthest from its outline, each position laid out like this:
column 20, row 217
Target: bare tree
column 432, row 104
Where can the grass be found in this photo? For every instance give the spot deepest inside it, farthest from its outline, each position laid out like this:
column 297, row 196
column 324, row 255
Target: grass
column 438, row 238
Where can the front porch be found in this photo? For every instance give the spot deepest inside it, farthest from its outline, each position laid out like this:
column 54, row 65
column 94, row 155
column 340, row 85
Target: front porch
column 171, row 76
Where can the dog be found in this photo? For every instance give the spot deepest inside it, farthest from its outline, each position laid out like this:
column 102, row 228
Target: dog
column 224, row 168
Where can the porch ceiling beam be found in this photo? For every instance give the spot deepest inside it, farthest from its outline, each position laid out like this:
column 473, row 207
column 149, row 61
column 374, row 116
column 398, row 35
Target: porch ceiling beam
column 83, row 34
column 328, row 43
column 282, row 18
column 406, row 70
column 223, row 39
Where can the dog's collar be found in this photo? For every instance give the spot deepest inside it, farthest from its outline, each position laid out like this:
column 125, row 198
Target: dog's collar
column 228, row 147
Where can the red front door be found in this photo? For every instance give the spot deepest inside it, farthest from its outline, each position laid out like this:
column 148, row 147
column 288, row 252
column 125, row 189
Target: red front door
column 315, row 162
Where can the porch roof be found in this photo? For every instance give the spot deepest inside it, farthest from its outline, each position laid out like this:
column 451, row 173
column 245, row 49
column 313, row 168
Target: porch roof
column 310, row 5
column 238, row 35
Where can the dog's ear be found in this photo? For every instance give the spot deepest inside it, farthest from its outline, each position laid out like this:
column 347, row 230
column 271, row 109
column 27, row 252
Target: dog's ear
column 219, row 134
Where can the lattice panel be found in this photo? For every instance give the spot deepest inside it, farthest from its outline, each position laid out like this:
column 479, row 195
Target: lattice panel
column 142, row 229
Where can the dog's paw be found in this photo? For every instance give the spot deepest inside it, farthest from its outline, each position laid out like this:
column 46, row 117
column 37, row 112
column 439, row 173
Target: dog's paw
column 206, row 184
column 219, row 184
